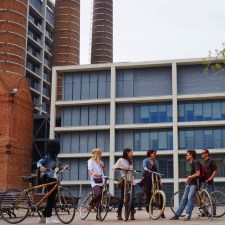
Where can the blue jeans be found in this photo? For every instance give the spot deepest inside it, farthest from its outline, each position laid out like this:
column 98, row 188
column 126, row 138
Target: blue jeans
column 210, row 186
column 187, row 200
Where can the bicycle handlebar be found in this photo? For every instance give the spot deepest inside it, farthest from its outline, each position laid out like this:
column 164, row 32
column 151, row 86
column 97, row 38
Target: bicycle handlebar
column 150, row 171
column 128, row 170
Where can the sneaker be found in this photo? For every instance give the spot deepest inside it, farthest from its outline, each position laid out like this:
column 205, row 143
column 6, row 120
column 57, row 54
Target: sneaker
column 42, row 220
column 174, row 218
column 187, row 218
column 51, row 220
column 163, row 216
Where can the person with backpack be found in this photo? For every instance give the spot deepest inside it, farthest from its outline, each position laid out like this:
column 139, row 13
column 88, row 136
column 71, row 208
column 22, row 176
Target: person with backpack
column 190, row 187
column 210, row 169
column 47, row 167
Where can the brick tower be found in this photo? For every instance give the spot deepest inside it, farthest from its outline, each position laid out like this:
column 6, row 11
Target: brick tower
column 102, row 32
column 16, row 114
column 66, row 37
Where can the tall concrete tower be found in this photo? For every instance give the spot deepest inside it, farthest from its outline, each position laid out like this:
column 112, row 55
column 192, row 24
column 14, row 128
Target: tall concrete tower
column 102, row 32
column 16, row 114
column 66, row 37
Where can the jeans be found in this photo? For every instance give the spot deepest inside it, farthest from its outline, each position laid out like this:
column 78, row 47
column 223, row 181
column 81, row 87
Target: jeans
column 187, row 200
column 97, row 194
column 210, row 186
column 122, row 197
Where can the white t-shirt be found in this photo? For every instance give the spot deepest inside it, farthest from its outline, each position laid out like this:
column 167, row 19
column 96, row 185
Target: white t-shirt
column 125, row 164
column 96, row 168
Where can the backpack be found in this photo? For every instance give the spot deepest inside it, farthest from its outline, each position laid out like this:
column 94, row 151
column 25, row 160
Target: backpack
column 203, row 173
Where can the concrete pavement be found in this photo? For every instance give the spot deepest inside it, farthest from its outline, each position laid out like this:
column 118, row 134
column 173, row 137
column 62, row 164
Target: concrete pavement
column 141, row 219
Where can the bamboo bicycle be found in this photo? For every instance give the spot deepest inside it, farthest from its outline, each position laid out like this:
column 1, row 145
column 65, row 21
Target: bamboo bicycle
column 102, row 207
column 128, row 199
column 17, row 204
column 203, row 202
column 158, row 198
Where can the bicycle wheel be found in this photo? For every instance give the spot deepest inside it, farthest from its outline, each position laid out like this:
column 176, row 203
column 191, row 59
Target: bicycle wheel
column 127, row 205
column 84, row 203
column 218, row 200
column 14, row 206
column 175, row 201
column 103, row 206
column 65, row 206
column 206, row 206
column 157, row 204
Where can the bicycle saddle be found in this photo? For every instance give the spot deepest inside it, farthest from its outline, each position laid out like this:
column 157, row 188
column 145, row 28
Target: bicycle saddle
column 29, row 178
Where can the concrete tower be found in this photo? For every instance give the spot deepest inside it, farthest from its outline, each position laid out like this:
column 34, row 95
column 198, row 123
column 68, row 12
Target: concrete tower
column 102, row 32
column 16, row 114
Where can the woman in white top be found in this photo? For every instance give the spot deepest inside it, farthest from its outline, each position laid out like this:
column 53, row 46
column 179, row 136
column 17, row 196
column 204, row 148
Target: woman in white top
column 125, row 163
column 96, row 171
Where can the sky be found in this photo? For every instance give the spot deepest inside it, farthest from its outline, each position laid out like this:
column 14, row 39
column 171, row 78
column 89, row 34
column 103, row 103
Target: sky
column 147, row 30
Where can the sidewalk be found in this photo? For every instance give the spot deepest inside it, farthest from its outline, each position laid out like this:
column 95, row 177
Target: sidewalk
column 141, row 219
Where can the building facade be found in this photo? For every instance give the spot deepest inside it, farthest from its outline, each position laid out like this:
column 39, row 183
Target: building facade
column 170, row 106
column 40, row 27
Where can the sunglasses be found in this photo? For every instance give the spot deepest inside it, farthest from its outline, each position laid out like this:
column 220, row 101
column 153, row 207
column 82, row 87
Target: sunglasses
column 203, row 153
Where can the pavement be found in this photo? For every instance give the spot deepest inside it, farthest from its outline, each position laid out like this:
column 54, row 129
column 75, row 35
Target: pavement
column 141, row 218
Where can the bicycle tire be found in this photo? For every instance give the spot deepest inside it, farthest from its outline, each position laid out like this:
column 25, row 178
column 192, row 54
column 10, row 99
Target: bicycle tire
column 157, row 204
column 13, row 211
column 218, row 198
column 206, row 206
column 65, row 208
column 173, row 203
column 84, row 203
column 103, row 206
column 127, row 206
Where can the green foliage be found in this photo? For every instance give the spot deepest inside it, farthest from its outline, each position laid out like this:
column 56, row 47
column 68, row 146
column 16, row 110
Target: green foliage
column 215, row 63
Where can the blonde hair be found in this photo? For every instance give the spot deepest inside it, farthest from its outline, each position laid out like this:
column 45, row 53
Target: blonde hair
column 95, row 155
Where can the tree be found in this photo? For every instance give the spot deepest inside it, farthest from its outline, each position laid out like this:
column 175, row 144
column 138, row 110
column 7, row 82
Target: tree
column 215, row 63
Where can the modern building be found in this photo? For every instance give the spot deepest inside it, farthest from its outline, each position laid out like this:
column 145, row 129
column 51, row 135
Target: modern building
column 170, row 106
column 40, row 27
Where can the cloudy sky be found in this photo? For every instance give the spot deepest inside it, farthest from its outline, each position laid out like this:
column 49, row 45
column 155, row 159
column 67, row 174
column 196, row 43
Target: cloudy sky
column 146, row 30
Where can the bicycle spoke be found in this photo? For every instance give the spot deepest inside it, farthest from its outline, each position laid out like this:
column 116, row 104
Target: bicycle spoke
column 157, row 204
column 65, row 206
column 84, row 205
column 13, row 208
column 218, row 200
column 103, row 207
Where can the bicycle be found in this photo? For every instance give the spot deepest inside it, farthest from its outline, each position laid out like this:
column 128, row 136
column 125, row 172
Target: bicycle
column 102, row 207
column 203, row 203
column 218, row 198
column 157, row 202
column 128, row 193
column 17, row 204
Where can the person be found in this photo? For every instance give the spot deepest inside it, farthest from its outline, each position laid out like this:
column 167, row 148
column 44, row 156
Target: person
column 46, row 167
column 211, row 169
column 125, row 163
column 190, row 188
column 149, row 164
column 96, row 170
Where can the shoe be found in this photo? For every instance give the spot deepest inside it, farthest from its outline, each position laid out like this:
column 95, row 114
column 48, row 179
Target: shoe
column 51, row 220
column 163, row 216
column 187, row 218
column 147, row 209
column 174, row 218
column 42, row 220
